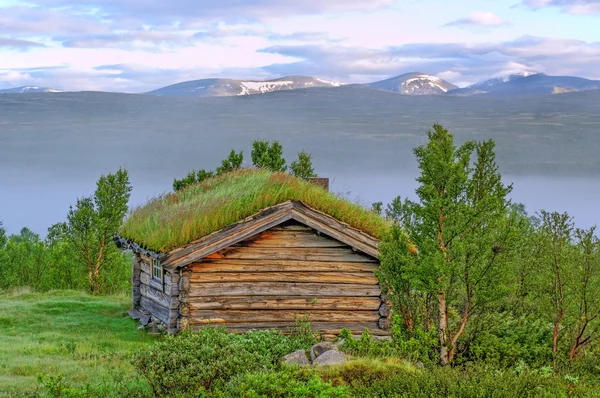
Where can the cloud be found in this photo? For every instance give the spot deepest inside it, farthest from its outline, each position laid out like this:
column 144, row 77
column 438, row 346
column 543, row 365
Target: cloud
column 16, row 43
column 160, row 11
column 458, row 62
column 37, row 21
column 153, row 40
column 581, row 7
column 479, row 19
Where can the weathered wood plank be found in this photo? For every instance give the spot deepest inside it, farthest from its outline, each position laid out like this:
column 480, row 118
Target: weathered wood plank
column 292, row 226
column 268, row 265
column 145, row 278
column 328, row 328
column 292, row 253
column 359, row 278
column 335, row 229
column 282, row 289
column 146, row 268
column 244, row 316
column 158, row 297
column 290, row 239
column 285, row 302
column 384, row 310
column 155, row 309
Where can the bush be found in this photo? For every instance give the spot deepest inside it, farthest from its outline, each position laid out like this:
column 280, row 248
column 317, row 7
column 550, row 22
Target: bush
column 194, row 363
column 366, row 346
column 287, row 382
column 506, row 341
column 473, row 381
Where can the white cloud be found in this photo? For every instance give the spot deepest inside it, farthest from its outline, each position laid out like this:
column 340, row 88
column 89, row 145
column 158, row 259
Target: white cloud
column 481, row 19
column 581, row 7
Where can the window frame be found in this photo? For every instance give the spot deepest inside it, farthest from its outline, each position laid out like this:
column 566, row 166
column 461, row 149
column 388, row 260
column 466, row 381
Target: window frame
column 157, row 266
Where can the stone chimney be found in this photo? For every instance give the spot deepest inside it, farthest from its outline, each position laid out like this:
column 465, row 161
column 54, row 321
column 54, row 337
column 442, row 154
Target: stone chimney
column 321, row 182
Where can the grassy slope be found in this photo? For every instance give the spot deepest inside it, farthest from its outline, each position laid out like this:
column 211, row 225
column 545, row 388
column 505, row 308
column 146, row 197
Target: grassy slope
column 176, row 219
column 85, row 338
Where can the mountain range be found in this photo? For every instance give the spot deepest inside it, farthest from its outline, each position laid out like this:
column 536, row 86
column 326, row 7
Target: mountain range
column 416, row 83
column 230, row 87
column 29, row 89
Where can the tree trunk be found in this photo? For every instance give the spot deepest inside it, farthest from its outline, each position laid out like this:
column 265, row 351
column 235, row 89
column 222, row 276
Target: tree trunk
column 555, row 335
column 443, row 329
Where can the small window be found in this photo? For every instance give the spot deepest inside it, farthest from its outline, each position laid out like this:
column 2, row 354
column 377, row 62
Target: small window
column 156, row 270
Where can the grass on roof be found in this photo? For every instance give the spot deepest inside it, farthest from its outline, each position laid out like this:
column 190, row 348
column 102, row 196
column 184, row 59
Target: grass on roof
column 178, row 218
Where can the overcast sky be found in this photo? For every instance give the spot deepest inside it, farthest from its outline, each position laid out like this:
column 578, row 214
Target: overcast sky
column 139, row 45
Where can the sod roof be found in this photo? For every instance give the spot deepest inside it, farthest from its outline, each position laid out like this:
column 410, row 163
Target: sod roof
column 178, row 218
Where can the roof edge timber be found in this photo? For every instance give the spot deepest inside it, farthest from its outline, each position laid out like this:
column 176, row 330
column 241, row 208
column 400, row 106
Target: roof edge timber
column 258, row 223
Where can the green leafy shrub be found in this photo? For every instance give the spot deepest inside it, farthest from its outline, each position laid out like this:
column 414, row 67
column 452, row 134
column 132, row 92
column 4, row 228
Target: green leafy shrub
column 193, row 363
column 366, row 345
column 472, row 381
column 507, row 341
column 364, row 372
column 288, row 382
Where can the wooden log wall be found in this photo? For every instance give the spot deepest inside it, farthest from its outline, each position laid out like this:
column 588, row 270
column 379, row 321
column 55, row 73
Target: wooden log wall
column 161, row 300
column 283, row 274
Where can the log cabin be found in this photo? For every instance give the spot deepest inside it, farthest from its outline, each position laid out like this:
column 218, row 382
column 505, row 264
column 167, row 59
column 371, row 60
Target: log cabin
column 291, row 260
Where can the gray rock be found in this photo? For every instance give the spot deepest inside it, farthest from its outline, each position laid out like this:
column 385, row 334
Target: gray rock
column 134, row 314
column 340, row 342
column 332, row 357
column 318, row 349
column 296, row 358
column 145, row 320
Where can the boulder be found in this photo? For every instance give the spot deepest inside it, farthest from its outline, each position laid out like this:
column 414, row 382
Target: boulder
column 296, row 358
column 332, row 357
column 145, row 320
column 318, row 349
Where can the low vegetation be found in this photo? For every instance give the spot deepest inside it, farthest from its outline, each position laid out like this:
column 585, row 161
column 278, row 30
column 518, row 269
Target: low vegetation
column 71, row 335
column 180, row 217
column 72, row 344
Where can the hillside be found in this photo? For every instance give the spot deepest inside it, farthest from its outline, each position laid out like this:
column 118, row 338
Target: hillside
column 231, row 87
column 535, row 84
column 29, row 89
column 414, row 84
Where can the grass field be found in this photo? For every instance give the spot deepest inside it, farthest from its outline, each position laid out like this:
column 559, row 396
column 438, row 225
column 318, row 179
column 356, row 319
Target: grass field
column 85, row 338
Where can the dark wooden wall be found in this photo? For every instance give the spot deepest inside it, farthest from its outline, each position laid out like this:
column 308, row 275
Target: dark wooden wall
column 285, row 273
column 160, row 299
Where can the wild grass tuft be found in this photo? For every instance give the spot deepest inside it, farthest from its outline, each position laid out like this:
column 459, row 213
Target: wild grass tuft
column 178, row 218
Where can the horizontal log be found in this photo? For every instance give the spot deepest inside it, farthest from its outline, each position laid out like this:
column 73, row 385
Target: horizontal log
column 291, row 226
column 384, row 310
column 159, row 297
column 285, row 302
column 327, row 328
column 359, row 278
column 145, row 278
column 292, row 253
column 157, row 310
column 282, row 289
column 146, row 268
column 245, row 316
column 266, row 265
column 383, row 323
column 299, row 239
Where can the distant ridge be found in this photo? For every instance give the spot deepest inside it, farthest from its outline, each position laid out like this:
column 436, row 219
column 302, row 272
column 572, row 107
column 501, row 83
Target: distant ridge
column 530, row 84
column 29, row 89
column 231, row 87
column 414, row 83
